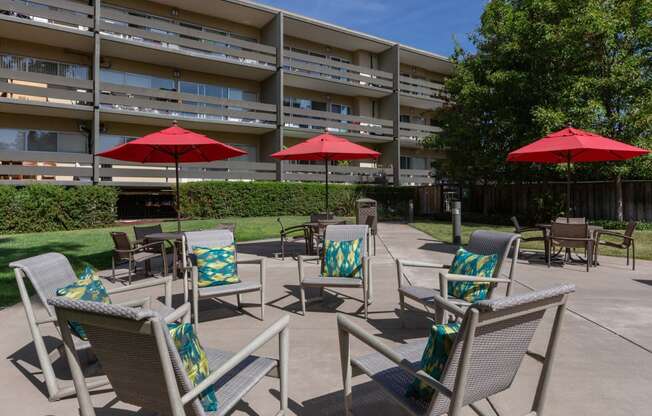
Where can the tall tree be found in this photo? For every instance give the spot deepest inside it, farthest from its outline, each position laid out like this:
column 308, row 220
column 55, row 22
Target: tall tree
column 538, row 65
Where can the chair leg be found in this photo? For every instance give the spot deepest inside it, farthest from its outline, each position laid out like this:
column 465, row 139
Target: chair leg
column 262, row 305
column 365, row 295
column 239, row 300
column 633, row 255
column 113, row 269
column 401, row 301
column 303, row 300
column 130, row 266
column 374, row 244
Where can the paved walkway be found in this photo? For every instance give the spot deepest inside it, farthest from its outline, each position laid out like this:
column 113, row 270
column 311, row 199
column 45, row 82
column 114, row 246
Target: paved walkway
column 604, row 364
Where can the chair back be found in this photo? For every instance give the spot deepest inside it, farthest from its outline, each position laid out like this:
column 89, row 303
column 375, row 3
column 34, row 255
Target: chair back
column 47, row 273
column 494, row 242
column 629, row 232
column 321, row 216
column 563, row 230
column 517, row 226
column 142, row 232
column 571, row 220
column 136, row 352
column 206, row 238
column 499, row 332
column 120, row 242
column 348, row 232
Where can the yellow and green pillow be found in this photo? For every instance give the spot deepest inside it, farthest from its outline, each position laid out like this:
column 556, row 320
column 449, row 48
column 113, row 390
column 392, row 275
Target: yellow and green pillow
column 88, row 287
column 434, row 359
column 342, row 258
column 471, row 264
column 194, row 361
column 216, row 265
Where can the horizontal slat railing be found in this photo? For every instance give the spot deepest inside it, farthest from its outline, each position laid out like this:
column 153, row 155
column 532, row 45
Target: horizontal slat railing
column 341, row 123
column 119, row 22
column 330, row 69
column 67, row 13
column 417, row 176
column 173, row 103
column 417, row 131
column 422, row 88
column 41, row 87
column 337, row 174
column 27, row 166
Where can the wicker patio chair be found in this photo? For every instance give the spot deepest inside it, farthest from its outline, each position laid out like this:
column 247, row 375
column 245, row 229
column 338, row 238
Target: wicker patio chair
column 216, row 238
column 141, row 232
column 339, row 233
column 138, row 356
column 126, row 252
column 47, row 273
column 493, row 340
column 480, row 242
column 625, row 241
column 518, row 229
column 294, row 233
column 571, row 236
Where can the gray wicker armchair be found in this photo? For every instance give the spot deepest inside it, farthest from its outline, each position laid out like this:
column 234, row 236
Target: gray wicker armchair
column 217, row 238
column 493, row 340
column 49, row 272
column 339, row 233
column 480, row 242
column 155, row 378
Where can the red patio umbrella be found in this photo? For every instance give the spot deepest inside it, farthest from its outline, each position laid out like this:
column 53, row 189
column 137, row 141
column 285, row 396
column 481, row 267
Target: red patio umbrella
column 571, row 145
column 326, row 147
column 173, row 145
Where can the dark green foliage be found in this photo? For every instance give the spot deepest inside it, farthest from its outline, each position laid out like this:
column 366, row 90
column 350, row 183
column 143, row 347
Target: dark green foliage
column 45, row 207
column 218, row 199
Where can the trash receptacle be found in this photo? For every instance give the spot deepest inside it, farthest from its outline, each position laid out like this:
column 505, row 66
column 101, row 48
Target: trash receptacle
column 366, row 212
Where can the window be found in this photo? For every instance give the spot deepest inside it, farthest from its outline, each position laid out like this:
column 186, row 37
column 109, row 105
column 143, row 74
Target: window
column 408, row 162
column 109, row 141
column 137, row 80
column 43, row 141
column 44, row 66
column 341, row 109
column 404, row 118
column 251, row 155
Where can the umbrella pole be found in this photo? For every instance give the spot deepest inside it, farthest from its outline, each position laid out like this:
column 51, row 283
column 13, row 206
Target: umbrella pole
column 326, row 168
column 568, row 188
column 176, row 172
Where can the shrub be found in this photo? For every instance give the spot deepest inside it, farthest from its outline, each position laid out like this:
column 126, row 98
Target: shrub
column 45, row 207
column 218, row 199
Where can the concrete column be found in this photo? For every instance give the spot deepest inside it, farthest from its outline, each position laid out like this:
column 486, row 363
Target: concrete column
column 272, row 34
column 95, row 131
column 389, row 61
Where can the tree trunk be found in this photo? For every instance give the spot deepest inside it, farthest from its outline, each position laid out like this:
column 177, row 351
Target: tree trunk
column 619, row 198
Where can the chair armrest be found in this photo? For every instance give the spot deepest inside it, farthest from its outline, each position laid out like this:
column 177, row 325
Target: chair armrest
column 571, row 239
column 474, row 279
column 47, row 320
column 346, row 327
column 166, row 280
column 300, row 262
column 252, row 261
column 182, row 312
column 448, row 305
column 141, row 303
column 276, row 329
column 414, row 263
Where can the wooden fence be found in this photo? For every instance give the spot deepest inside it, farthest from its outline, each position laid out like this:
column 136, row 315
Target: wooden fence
column 593, row 200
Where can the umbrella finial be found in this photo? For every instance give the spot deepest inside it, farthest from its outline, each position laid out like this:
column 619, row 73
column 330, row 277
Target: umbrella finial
column 569, row 124
column 175, row 123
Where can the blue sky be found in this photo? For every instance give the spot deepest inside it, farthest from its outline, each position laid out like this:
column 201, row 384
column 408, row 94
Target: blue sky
column 425, row 24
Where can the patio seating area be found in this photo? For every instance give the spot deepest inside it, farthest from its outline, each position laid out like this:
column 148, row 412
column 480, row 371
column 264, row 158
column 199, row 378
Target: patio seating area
column 606, row 319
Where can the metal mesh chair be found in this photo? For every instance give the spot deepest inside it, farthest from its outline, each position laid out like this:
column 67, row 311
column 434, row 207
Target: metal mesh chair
column 480, row 242
column 518, row 229
column 339, row 233
column 570, row 220
column 623, row 241
column 125, row 252
column 154, row 378
column 493, row 340
column 216, row 238
column 47, row 273
column 571, row 236
column 141, row 232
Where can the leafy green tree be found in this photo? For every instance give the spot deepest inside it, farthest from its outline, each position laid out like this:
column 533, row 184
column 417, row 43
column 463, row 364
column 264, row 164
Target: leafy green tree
column 538, row 65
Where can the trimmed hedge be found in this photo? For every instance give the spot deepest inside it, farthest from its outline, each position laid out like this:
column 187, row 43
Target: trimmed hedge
column 45, row 207
column 218, row 199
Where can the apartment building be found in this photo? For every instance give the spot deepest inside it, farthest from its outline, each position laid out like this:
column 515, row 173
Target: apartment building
column 77, row 78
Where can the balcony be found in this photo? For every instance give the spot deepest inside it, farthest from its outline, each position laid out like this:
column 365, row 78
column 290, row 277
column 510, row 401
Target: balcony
column 127, row 103
column 421, row 94
column 412, row 134
column 24, row 167
column 315, row 73
column 304, row 123
column 138, row 36
column 47, row 95
column 35, row 21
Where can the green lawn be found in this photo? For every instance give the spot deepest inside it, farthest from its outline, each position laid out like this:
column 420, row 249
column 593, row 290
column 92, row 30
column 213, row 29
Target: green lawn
column 442, row 231
column 94, row 246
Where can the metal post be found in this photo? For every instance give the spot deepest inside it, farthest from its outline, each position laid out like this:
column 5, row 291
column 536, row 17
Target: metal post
column 326, row 168
column 456, row 217
column 568, row 187
column 176, row 173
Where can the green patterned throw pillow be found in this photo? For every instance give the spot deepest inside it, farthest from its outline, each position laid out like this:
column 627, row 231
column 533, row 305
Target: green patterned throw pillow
column 88, row 287
column 470, row 264
column 194, row 361
column 434, row 359
column 342, row 258
column 216, row 265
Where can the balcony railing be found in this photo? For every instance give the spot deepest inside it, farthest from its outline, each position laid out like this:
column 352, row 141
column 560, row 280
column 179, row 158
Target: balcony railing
column 422, row 89
column 337, row 71
column 65, row 13
column 161, row 32
column 417, row 177
column 339, row 174
column 416, row 131
column 21, row 167
column 20, row 85
column 337, row 123
column 178, row 104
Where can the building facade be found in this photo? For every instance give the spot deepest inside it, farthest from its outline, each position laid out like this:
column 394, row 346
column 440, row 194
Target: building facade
column 77, row 78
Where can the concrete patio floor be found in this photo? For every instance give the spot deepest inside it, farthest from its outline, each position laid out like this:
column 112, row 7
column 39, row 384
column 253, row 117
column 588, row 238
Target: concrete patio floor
column 604, row 365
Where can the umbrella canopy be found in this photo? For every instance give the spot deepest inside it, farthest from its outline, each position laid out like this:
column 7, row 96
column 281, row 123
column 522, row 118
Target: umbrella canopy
column 326, row 147
column 571, row 145
column 173, row 145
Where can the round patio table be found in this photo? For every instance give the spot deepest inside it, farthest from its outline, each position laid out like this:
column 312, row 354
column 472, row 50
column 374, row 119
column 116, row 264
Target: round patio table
column 593, row 229
column 173, row 238
column 317, row 229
